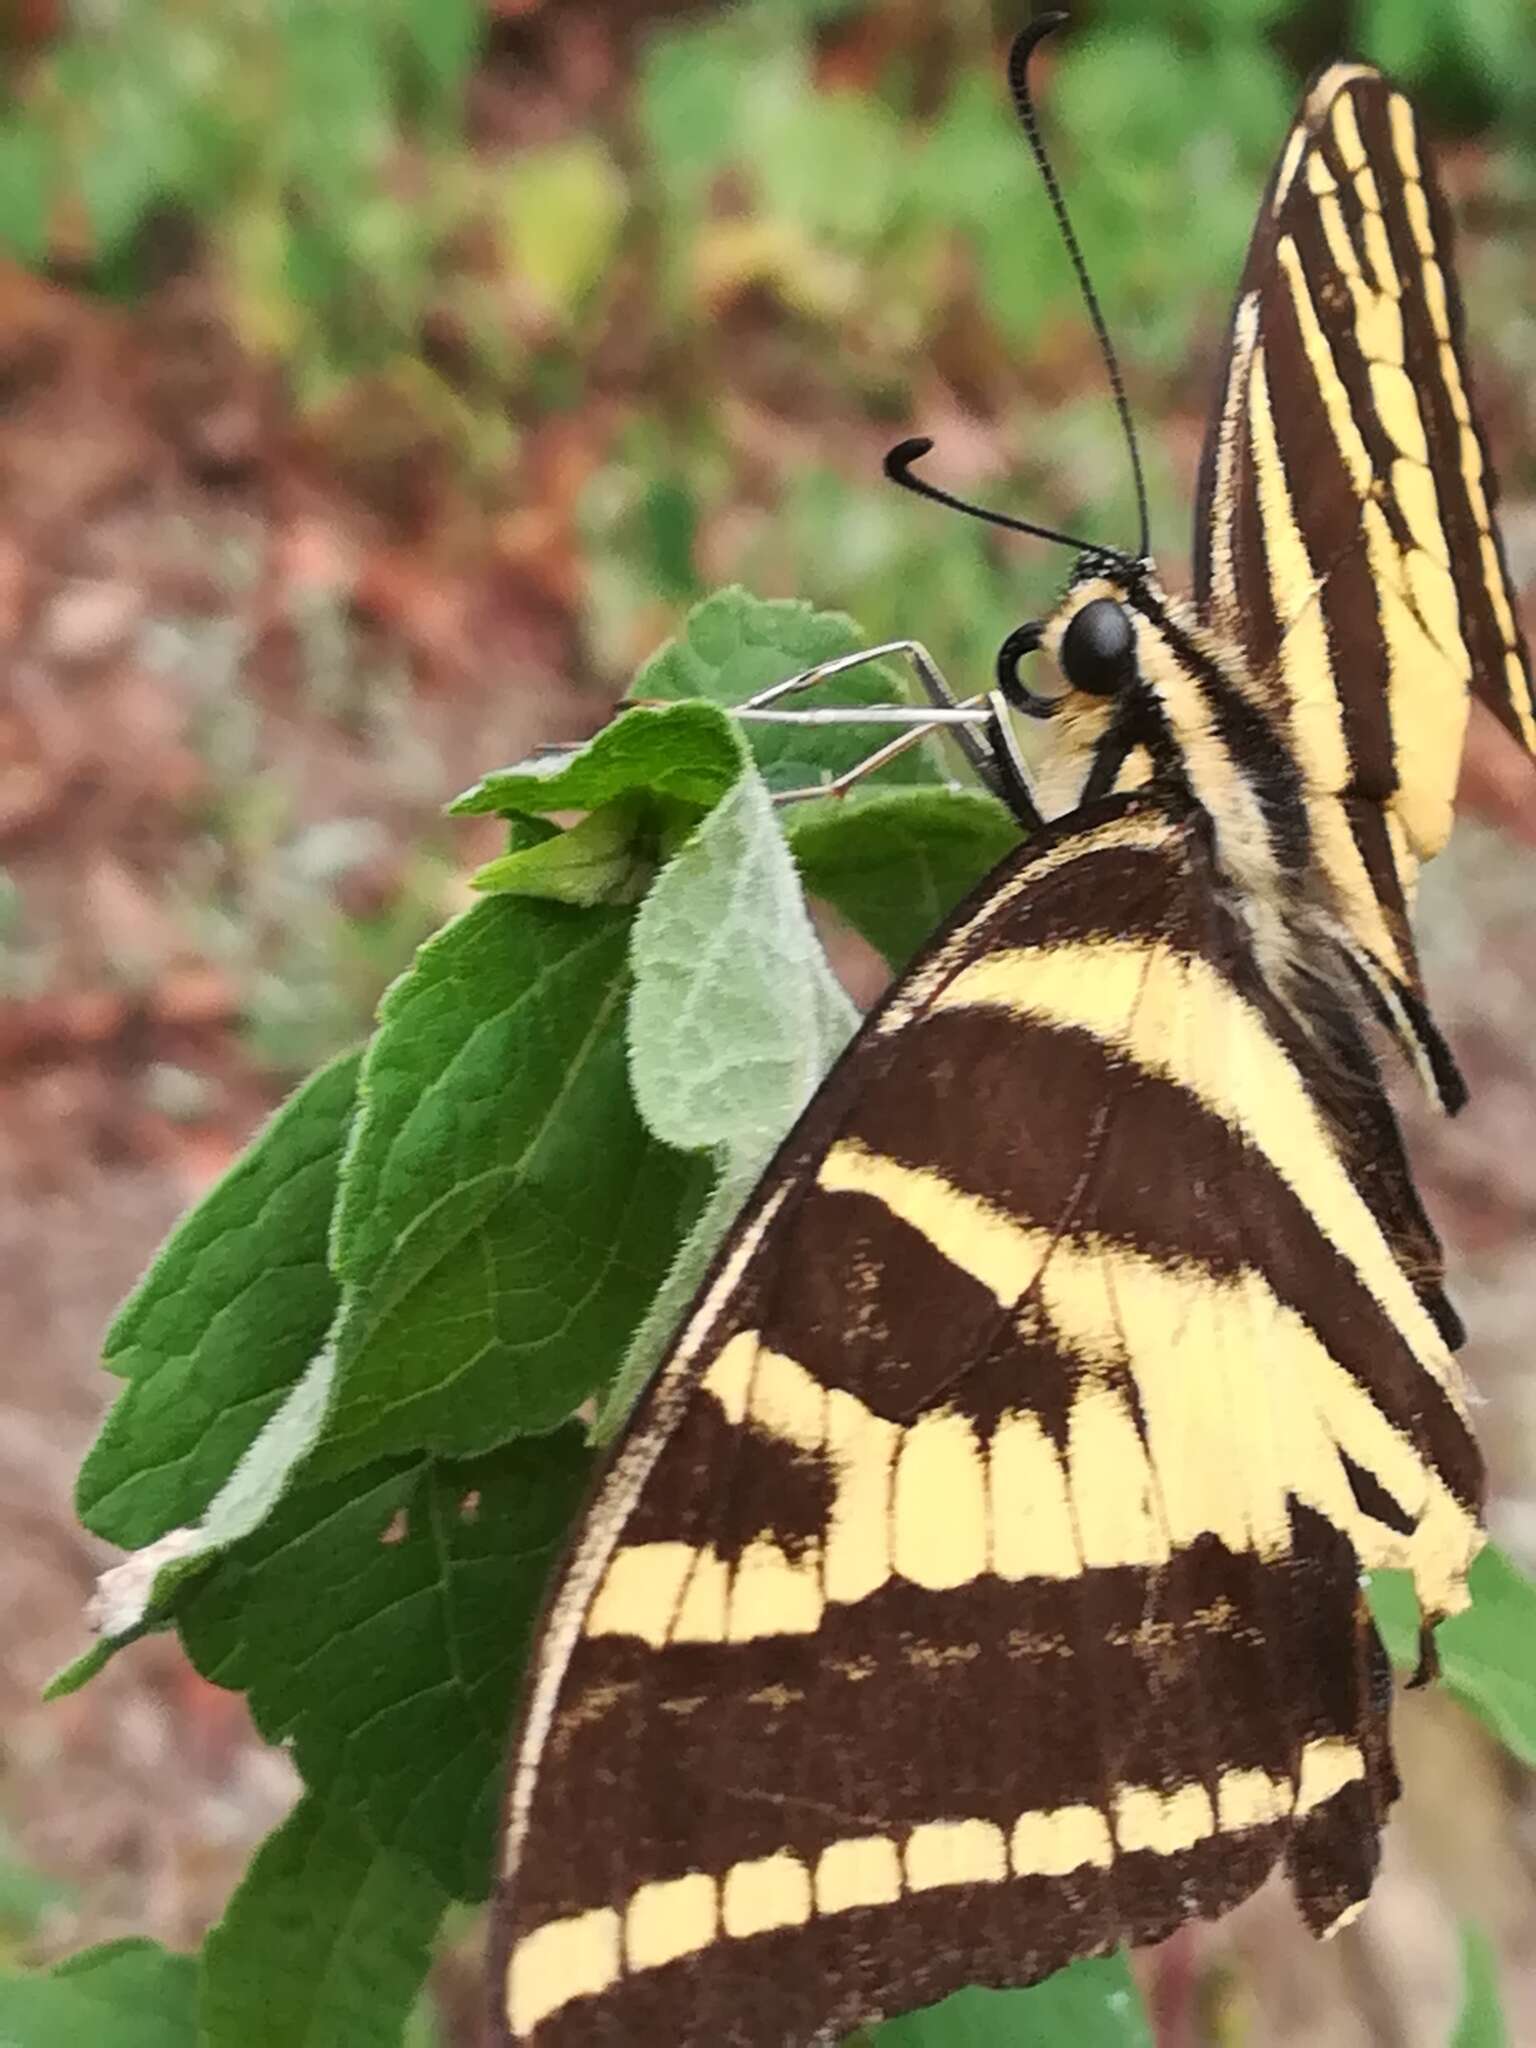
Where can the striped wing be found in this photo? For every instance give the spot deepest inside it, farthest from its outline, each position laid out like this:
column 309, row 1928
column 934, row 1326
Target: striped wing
column 1345, row 534
column 979, row 1583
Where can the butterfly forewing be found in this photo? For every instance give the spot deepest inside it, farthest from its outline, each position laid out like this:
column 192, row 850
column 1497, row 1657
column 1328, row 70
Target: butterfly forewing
column 1345, row 537
column 978, row 1585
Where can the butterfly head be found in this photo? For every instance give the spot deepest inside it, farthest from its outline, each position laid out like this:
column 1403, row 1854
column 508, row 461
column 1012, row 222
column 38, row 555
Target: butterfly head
column 1091, row 641
column 1122, row 686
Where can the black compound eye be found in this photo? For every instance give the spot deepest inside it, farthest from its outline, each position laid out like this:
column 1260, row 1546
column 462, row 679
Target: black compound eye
column 1097, row 647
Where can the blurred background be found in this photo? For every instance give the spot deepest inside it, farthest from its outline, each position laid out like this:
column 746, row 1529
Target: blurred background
column 379, row 382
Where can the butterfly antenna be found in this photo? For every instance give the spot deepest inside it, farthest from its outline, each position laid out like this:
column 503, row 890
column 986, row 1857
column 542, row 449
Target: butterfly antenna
column 1018, row 78
column 899, row 467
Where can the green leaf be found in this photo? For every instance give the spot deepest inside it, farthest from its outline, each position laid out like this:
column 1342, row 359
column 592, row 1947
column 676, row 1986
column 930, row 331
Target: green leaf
column 1091, row 2004
column 1233, row 19
column 735, row 1015
column 662, row 1320
column 379, row 1624
column 223, row 1325
column 734, row 1019
column 1487, row 1654
column 1498, row 39
column 82, row 1669
column 611, row 856
column 27, row 174
column 667, row 522
column 835, row 164
column 1395, row 1611
column 124, row 1994
column 733, row 645
column 504, row 1217
column 324, row 1944
column 1401, row 39
column 693, row 88
column 25, row 1895
column 689, row 753
column 445, row 35
column 562, row 210
column 896, row 864
column 141, row 1593
column 1481, row 2021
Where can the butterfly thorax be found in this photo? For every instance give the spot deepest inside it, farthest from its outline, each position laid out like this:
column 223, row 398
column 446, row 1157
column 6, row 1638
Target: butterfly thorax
column 1186, row 717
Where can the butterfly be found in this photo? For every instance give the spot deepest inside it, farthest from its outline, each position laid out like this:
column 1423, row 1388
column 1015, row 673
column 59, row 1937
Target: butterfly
column 979, row 1583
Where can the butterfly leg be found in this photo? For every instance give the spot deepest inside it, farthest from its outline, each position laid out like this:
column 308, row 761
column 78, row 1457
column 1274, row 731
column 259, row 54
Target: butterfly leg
column 998, row 763
column 759, row 708
column 841, row 784
column 996, row 758
column 927, row 669
column 950, row 711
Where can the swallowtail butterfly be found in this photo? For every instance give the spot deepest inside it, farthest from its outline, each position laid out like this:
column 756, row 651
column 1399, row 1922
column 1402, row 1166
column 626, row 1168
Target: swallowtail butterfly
column 978, row 1585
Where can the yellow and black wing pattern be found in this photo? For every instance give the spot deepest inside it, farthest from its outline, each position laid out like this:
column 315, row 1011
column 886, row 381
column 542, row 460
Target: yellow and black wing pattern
column 1345, row 537
column 979, row 1584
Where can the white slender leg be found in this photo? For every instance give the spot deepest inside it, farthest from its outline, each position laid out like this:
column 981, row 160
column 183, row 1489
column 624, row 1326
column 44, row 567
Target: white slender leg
column 841, row 784
column 931, row 719
column 928, row 673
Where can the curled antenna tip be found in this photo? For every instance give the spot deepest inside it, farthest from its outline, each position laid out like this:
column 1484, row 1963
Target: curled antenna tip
column 899, row 467
column 901, row 458
column 1032, row 33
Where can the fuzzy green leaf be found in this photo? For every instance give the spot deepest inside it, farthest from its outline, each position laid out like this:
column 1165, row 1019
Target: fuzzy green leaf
column 734, row 645
column 124, row 1994
column 324, row 1944
column 223, row 1325
column 379, row 1624
column 611, row 856
column 735, row 1015
column 896, row 864
column 504, row 1217
column 142, row 1592
column 734, row 1020
column 1092, row 2004
column 688, row 752
column 1487, row 1654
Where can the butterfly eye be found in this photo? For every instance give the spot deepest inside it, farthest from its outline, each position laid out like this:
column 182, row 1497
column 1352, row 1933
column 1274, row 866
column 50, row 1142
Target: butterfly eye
column 1097, row 646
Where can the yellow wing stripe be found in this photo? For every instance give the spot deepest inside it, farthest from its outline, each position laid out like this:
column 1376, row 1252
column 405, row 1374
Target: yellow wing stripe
column 1164, row 1822
column 1245, row 330
column 1405, row 144
column 943, row 1852
column 1314, row 707
column 864, row 1870
column 940, row 1535
column 1419, row 610
column 560, row 1962
column 586, row 1568
column 769, row 1892
column 1315, row 710
column 588, row 1953
column 669, row 1920
column 1148, row 833
column 1241, row 1410
column 1217, row 1362
column 1176, row 1017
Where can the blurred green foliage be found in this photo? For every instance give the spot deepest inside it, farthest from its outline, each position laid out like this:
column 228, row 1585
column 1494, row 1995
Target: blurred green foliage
column 277, row 126
column 792, row 227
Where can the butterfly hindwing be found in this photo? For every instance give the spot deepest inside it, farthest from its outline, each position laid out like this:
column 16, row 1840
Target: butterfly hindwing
column 978, row 1584
column 1345, row 536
